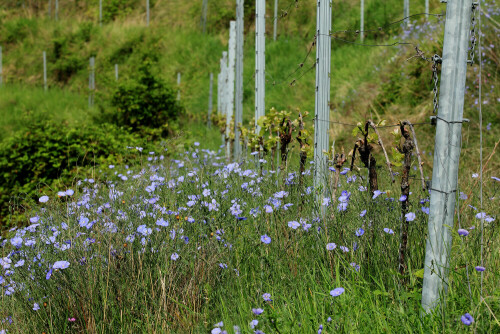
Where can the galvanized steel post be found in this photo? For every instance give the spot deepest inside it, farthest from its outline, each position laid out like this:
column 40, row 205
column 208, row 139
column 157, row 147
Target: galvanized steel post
column 275, row 19
column 223, row 68
column 230, row 83
column 44, row 70
column 407, row 11
column 100, row 12
column 204, row 15
column 116, row 72
column 362, row 23
column 322, row 101
column 147, row 13
column 260, row 61
column 238, row 108
column 178, row 86
column 446, row 152
column 210, row 102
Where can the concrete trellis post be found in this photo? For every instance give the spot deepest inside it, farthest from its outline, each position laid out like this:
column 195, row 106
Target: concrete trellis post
column 446, row 152
column 322, row 102
column 45, row 71
column 57, row 10
column 210, row 102
column 1, row 69
column 50, row 9
column 230, row 82
column 362, row 23
column 116, row 72
column 147, row 13
column 260, row 61
column 407, row 11
column 178, row 86
column 238, row 109
column 426, row 7
column 275, row 28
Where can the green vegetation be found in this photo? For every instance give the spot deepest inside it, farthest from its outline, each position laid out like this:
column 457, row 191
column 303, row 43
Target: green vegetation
column 140, row 180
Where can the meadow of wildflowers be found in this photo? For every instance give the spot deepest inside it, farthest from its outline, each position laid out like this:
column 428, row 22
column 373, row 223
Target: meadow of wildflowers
column 195, row 244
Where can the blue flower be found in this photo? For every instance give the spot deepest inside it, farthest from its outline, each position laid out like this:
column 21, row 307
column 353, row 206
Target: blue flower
column 267, row 297
column 16, row 242
column 257, row 311
column 363, row 213
column 293, row 224
column 388, row 230
column 265, row 239
column 467, row 319
column 49, row 274
column 480, row 268
column 145, row 231
column 377, row 193
column 360, row 232
column 36, row 307
column 174, row 256
column 162, row 222
column 19, row 263
column 254, row 323
column 60, row 265
column 425, row 210
column 463, row 232
column 337, row 292
column 410, row 216
column 331, row 246
column 43, row 199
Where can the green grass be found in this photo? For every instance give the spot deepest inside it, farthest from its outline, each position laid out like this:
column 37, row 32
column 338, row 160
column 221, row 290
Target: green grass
column 21, row 104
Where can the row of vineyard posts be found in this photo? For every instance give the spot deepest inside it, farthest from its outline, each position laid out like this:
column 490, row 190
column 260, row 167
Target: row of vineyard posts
column 272, row 132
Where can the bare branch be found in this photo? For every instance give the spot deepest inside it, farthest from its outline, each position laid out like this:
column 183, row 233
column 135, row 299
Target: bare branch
column 374, row 127
column 418, row 152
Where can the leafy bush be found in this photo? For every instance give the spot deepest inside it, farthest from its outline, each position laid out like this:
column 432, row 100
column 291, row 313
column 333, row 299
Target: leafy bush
column 46, row 152
column 145, row 103
column 114, row 8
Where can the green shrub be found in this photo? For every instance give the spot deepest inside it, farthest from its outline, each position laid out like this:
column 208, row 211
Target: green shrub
column 145, row 103
column 45, row 152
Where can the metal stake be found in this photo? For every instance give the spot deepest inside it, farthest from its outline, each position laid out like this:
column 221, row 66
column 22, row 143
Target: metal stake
column 446, row 152
column 238, row 110
column 322, row 101
column 260, row 61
